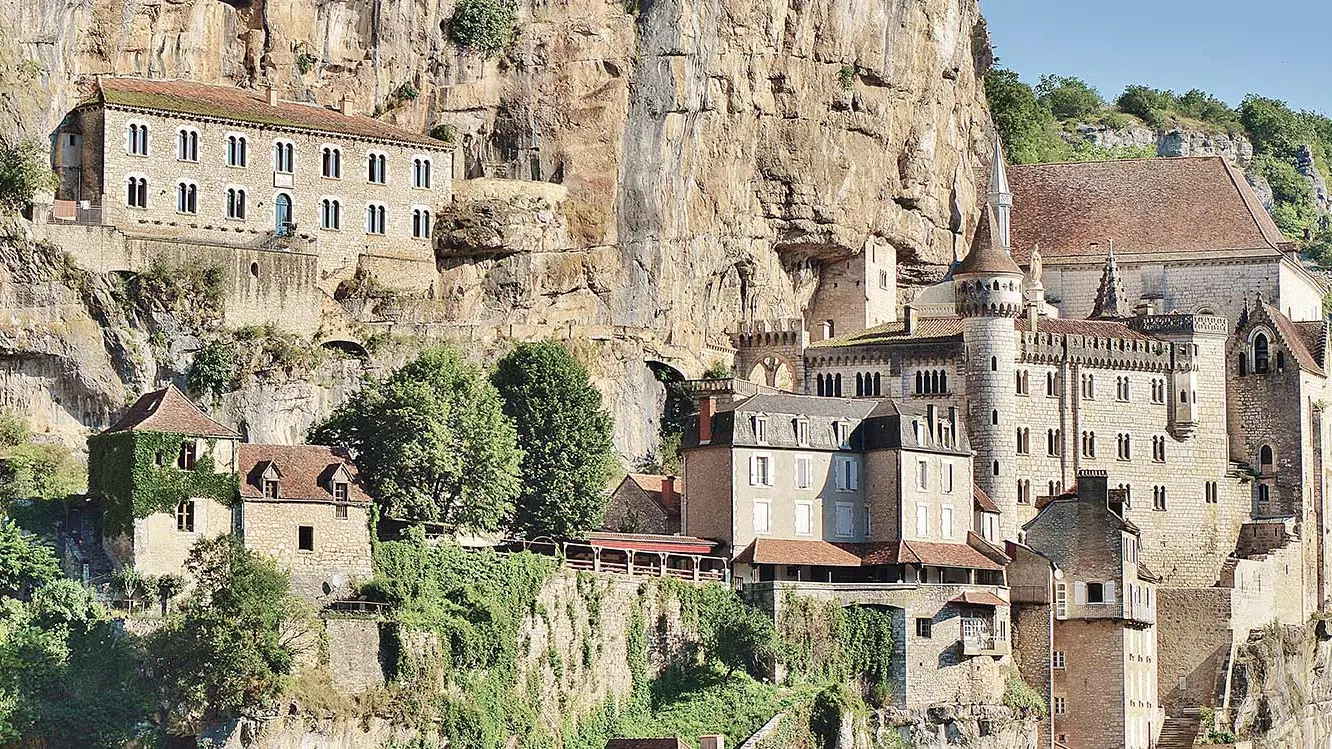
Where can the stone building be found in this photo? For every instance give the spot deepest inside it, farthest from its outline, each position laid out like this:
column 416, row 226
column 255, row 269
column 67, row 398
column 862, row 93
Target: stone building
column 1144, row 319
column 168, row 476
column 644, row 503
column 858, row 501
column 1103, row 685
column 284, row 196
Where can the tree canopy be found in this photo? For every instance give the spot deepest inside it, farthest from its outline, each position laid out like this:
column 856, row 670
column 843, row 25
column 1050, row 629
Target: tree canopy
column 565, row 435
column 23, row 171
column 432, row 442
column 1068, row 98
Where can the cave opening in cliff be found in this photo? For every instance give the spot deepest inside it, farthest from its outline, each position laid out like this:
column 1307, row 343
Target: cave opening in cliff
column 676, row 407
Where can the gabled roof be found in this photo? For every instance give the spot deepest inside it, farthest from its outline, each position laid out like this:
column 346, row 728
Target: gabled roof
column 1147, row 206
column 169, row 411
column 933, row 554
column 1307, row 341
column 787, row 551
column 652, row 483
column 242, row 105
column 306, row 470
column 982, row 500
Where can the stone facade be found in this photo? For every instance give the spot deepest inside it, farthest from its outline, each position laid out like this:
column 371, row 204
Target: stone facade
column 340, row 553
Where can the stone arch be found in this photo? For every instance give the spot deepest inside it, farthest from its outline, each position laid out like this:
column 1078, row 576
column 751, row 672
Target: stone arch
column 347, row 346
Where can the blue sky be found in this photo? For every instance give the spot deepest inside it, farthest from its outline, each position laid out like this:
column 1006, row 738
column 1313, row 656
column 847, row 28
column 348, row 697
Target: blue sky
column 1278, row 48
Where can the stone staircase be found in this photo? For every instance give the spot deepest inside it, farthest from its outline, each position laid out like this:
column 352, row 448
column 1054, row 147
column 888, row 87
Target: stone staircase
column 1180, row 731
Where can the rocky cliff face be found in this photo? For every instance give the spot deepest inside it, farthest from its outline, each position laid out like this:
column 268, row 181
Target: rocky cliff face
column 712, row 154
column 1173, row 142
column 1282, row 687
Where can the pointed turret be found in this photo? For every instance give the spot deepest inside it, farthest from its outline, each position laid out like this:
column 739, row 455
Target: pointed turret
column 1111, row 299
column 1001, row 198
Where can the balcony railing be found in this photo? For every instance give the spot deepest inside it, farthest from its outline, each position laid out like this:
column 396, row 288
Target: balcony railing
column 985, row 645
column 1140, row 613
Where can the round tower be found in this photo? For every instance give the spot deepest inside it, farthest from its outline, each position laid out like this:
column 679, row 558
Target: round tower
column 987, row 285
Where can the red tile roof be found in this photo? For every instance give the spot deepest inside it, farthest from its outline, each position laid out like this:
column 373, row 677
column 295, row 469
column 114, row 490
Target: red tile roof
column 242, row 105
column 932, row 554
column 168, row 410
column 652, row 484
column 1147, row 206
column 982, row 500
column 816, row 553
column 306, row 471
column 979, row 598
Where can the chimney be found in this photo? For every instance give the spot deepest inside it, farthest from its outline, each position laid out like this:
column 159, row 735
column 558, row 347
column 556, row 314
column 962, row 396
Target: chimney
column 1094, row 486
column 952, row 425
column 344, row 106
column 712, row 741
column 668, row 492
column 272, row 95
column 909, row 313
column 705, row 406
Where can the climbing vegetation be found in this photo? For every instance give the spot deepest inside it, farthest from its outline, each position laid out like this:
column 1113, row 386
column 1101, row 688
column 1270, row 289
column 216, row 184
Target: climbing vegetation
column 136, row 474
column 483, row 25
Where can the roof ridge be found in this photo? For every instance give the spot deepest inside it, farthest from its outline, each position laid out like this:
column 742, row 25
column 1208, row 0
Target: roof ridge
column 1245, row 191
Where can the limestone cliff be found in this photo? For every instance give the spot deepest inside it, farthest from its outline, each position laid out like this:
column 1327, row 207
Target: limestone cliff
column 710, row 156
column 1281, row 693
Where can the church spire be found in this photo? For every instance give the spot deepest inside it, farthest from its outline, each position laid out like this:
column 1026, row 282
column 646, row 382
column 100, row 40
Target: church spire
column 1001, row 198
column 1111, row 299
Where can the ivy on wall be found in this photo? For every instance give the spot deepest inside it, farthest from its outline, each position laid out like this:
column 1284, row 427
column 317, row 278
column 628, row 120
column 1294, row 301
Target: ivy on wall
column 123, row 468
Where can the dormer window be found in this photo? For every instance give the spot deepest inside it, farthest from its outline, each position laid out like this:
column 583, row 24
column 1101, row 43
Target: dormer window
column 761, row 430
column 802, row 432
column 339, row 491
column 270, row 488
column 185, row 458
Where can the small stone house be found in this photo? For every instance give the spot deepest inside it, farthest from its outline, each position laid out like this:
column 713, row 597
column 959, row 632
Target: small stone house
column 305, row 506
column 168, row 475
column 644, row 503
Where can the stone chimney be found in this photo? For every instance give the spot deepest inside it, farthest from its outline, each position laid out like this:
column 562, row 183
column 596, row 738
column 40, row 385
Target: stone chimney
column 272, row 95
column 909, row 314
column 1094, row 486
column 712, row 741
column 705, row 409
column 668, row 492
column 344, row 105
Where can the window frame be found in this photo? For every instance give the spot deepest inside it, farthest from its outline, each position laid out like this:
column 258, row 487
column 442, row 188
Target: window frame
column 284, row 150
column 233, row 197
column 302, row 532
column 330, row 161
column 808, row 508
column 187, row 145
column 240, row 148
column 186, row 516
column 766, row 505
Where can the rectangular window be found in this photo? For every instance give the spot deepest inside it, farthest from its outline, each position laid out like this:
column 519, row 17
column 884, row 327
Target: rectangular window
column 947, row 477
column 845, row 519
column 305, row 538
column 1058, row 659
column 802, row 432
column 922, row 521
column 1060, row 705
column 802, row 472
column 843, row 432
column 804, row 518
column 883, row 279
column 1095, row 593
column 340, row 512
column 761, row 430
column 847, row 474
column 185, row 516
column 762, row 516
column 270, row 489
column 924, row 628
column 946, row 523
column 760, row 470
column 185, row 458
column 1061, row 600
column 922, row 475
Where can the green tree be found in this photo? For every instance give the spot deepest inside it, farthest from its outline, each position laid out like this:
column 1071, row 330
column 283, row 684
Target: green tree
column 40, row 471
column 565, row 435
column 14, row 429
column 25, row 562
column 1068, row 98
column 483, row 25
column 1201, row 105
column 1025, row 126
column 23, row 171
column 235, row 640
column 1274, row 128
column 433, row 443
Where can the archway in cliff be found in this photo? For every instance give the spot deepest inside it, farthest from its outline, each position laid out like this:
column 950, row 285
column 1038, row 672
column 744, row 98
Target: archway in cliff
column 348, row 348
column 676, row 408
column 774, row 372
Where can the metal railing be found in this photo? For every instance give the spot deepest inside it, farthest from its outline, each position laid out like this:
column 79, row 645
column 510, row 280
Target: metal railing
column 75, row 212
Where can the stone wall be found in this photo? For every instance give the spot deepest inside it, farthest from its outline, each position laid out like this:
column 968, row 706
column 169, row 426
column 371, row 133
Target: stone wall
column 160, row 548
column 355, row 658
column 341, row 554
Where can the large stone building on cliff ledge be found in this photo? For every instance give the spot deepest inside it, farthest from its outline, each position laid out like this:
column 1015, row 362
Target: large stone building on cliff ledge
column 1144, row 321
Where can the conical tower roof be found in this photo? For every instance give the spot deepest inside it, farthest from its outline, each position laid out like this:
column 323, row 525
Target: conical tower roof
column 985, row 257
column 1111, row 299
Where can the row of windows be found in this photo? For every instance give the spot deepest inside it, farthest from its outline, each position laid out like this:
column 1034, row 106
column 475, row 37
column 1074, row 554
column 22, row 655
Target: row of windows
column 236, row 149
column 841, row 431
column 846, row 472
column 843, row 523
column 1123, row 391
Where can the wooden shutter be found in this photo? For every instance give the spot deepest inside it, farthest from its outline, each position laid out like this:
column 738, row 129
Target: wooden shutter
column 1080, row 593
column 1109, row 592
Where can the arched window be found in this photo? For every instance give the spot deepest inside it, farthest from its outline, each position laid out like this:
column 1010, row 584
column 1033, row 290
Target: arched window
column 330, row 214
column 920, row 386
column 282, row 214
column 994, row 364
column 837, row 385
column 994, row 416
column 375, row 221
column 237, row 150
column 332, row 162
column 420, row 223
column 1260, row 353
column 934, row 381
column 878, row 389
column 187, row 144
column 284, row 156
column 1266, row 459
column 137, row 139
column 860, row 384
column 376, row 168
column 1049, row 383
column 421, row 172
column 994, row 468
column 187, row 194
column 136, row 192
column 818, row 381
column 943, row 381
column 236, row 202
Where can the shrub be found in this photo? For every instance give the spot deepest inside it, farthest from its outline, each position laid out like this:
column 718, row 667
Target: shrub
column 718, row 370
column 443, row 131
column 305, row 62
column 846, row 76
column 23, row 172
column 13, row 428
column 1022, row 699
column 214, row 368
column 483, row 25
column 406, row 92
column 1116, row 120
column 1068, row 98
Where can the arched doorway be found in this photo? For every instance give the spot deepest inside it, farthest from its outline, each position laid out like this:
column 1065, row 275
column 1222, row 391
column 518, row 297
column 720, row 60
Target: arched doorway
column 282, row 213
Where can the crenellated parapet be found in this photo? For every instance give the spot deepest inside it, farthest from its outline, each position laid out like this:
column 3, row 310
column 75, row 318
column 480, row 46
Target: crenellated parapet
column 1180, row 325
column 787, row 332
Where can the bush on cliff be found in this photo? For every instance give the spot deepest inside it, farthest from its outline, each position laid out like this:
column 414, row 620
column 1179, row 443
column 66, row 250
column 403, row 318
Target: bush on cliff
column 23, row 172
column 565, row 435
column 483, row 25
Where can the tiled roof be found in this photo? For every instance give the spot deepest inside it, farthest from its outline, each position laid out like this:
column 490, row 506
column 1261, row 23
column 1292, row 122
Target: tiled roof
column 238, row 104
column 1302, row 338
column 984, row 256
column 930, row 553
column 652, row 484
column 927, row 329
column 979, row 598
column 306, row 471
column 982, row 500
column 802, row 405
column 168, row 410
column 1147, row 206
column 785, row 551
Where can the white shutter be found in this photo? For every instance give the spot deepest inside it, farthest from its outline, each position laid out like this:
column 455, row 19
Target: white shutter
column 753, row 470
column 922, row 521
column 1080, row 593
column 852, row 473
column 946, row 523
column 839, row 473
column 1109, row 592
